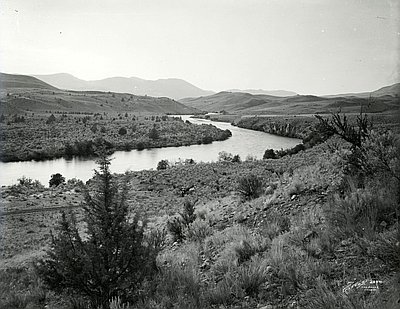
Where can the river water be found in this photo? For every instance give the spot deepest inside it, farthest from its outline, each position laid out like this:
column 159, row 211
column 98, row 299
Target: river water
column 243, row 142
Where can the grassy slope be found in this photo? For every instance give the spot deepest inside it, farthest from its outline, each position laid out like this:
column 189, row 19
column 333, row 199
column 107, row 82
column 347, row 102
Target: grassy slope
column 11, row 81
column 20, row 94
column 244, row 103
column 34, row 100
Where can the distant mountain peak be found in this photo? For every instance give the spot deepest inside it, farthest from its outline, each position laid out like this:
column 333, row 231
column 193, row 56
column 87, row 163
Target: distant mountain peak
column 174, row 88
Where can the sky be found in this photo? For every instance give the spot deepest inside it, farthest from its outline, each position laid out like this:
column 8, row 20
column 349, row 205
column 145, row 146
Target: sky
column 307, row 46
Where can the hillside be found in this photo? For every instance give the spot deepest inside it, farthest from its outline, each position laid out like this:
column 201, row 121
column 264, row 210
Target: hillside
column 246, row 103
column 12, row 81
column 170, row 87
column 22, row 94
column 276, row 93
column 392, row 90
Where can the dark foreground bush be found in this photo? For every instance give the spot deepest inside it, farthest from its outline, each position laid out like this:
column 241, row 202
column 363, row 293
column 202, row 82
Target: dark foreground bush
column 250, row 186
column 111, row 260
column 163, row 165
column 56, row 180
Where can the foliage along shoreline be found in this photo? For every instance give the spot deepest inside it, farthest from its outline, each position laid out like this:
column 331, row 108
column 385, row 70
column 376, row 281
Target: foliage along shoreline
column 38, row 137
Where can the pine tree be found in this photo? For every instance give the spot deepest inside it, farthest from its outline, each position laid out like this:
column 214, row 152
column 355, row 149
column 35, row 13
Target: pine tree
column 110, row 258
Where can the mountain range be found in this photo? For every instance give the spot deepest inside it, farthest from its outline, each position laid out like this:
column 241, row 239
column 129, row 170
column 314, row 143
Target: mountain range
column 171, row 87
column 22, row 93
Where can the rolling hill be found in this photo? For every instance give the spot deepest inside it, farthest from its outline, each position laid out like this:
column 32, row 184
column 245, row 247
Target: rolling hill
column 171, row 87
column 384, row 99
column 20, row 94
column 11, row 81
column 276, row 93
column 392, row 90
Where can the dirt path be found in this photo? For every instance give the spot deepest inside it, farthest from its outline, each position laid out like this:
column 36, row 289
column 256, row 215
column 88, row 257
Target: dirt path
column 34, row 210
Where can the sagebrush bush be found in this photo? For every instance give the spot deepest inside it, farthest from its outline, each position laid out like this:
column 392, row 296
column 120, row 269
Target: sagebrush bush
column 274, row 224
column 180, row 277
column 245, row 250
column 20, row 288
column 221, row 294
column 178, row 225
column 323, row 297
column 385, row 246
column 188, row 214
column 198, row 230
column 176, row 228
column 358, row 213
column 250, row 186
column 252, row 275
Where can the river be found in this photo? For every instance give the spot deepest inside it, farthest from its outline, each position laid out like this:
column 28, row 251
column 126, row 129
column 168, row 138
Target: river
column 243, row 142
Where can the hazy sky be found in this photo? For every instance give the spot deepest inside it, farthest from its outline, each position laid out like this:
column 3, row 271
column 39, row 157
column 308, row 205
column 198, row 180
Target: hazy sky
column 307, row 46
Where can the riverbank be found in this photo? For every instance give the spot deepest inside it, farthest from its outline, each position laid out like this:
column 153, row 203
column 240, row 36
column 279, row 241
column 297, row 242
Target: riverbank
column 43, row 137
column 296, row 126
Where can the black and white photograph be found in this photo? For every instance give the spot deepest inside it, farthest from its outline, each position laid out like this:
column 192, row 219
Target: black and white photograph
column 190, row 154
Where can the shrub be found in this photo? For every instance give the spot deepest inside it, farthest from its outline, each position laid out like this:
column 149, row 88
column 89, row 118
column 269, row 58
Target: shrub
column 386, row 247
column 252, row 276
column 269, row 154
column 179, row 283
column 20, row 289
column 250, row 186
column 198, row 230
column 224, row 156
column 245, row 250
column 122, row 131
column 176, row 228
column 153, row 134
column 360, row 213
column 24, row 181
column 178, row 225
column 221, row 294
column 251, row 158
column 93, row 128
column 163, row 165
column 140, row 146
column 295, row 187
column 236, row 159
column 56, row 180
column 354, row 133
column 188, row 215
column 51, row 119
column 111, row 260
column 207, row 139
